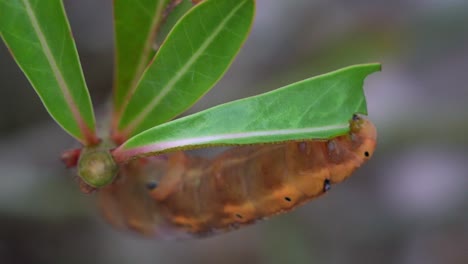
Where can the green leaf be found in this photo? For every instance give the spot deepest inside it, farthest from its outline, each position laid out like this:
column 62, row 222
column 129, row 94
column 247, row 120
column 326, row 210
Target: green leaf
column 192, row 59
column 175, row 14
column 136, row 25
column 316, row 108
column 38, row 35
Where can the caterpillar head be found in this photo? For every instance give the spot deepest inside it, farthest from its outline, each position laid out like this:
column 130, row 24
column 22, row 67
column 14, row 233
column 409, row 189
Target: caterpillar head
column 364, row 136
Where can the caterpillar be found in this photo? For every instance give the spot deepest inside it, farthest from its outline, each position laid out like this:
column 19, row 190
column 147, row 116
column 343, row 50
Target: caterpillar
column 179, row 196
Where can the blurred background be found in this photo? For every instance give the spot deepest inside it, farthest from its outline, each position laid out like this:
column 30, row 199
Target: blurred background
column 409, row 204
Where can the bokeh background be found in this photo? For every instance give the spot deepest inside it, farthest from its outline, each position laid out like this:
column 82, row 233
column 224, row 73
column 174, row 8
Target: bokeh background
column 409, row 204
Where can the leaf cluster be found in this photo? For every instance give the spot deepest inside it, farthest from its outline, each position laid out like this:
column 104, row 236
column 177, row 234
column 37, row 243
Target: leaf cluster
column 169, row 53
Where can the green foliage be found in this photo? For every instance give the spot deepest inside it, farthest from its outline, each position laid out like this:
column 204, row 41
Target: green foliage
column 316, row 108
column 136, row 24
column 192, row 59
column 150, row 89
column 38, row 35
column 176, row 12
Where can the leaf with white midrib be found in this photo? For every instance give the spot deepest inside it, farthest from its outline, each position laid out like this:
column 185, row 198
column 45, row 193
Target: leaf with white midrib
column 180, row 66
column 41, row 44
column 316, row 108
column 136, row 27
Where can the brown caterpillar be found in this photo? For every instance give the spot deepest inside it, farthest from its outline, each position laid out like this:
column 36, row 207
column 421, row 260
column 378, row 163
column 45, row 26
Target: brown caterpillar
column 181, row 196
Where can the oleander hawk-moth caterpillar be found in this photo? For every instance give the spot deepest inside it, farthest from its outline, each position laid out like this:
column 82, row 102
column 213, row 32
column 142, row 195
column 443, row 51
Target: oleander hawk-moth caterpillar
column 178, row 196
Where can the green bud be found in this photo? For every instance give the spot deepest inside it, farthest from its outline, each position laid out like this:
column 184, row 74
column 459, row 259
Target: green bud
column 97, row 167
